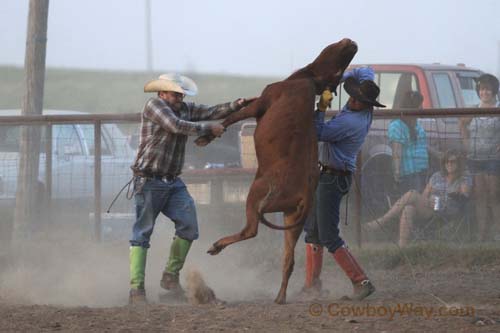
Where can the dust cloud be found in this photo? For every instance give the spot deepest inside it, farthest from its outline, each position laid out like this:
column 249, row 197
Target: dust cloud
column 197, row 290
column 67, row 268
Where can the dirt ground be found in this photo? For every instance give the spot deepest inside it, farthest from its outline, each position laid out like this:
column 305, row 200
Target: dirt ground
column 84, row 287
column 476, row 292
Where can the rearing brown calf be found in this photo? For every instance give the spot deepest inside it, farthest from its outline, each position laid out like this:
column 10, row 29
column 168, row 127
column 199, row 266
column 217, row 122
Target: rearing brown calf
column 286, row 148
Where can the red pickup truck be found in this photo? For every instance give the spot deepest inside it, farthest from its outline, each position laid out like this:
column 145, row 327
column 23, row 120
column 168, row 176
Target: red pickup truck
column 442, row 86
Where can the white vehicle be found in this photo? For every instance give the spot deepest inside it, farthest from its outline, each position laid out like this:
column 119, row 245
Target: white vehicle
column 72, row 163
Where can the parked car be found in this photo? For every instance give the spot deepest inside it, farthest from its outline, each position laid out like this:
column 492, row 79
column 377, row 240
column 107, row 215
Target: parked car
column 72, row 185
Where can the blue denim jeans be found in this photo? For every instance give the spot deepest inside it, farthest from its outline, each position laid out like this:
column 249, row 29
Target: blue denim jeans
column 415, row 181
column 323, row 228
column 170, row 198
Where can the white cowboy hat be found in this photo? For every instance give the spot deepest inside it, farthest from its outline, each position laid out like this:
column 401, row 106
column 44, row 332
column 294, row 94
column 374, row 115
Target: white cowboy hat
column 172, row 82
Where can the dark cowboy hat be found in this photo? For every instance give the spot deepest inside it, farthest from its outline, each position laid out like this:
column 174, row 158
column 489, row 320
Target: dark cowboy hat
column 366, row 91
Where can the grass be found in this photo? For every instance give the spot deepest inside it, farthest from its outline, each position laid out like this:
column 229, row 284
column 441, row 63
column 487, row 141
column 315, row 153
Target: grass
column 426, row 255
column 118, row 91
column 430, row 254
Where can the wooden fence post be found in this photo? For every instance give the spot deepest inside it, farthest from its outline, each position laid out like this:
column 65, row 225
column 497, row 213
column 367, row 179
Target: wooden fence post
column 29, row 188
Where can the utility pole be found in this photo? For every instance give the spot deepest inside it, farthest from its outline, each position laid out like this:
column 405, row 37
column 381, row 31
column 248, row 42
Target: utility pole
column 498, row 60
column 28, row 188
column 149, row 37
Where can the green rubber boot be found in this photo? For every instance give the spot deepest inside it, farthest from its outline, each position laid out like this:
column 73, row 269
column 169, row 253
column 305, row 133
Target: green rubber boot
column 178, row 253
column 137, row 272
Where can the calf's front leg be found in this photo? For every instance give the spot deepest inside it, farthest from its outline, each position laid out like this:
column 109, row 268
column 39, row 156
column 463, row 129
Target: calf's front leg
column 250, row 111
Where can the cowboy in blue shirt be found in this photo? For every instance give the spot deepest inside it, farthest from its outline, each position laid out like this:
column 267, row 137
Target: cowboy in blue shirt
column 341, row 138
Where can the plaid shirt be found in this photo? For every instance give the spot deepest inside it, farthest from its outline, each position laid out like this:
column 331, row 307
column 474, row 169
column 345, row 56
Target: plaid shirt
column 164, row 134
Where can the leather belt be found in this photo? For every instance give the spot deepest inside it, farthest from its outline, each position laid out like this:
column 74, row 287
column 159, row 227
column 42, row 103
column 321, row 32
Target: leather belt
column 332, row 171
column 167, row 178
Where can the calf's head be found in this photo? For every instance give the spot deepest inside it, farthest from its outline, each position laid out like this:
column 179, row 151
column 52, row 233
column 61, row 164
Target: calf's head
column 327, row 69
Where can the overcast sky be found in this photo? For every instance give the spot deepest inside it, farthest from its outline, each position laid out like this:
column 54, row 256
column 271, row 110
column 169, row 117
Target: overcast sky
column 257, row 37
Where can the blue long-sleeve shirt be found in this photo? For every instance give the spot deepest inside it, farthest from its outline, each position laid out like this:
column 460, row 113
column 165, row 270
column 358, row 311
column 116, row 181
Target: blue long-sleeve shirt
column 344, row 135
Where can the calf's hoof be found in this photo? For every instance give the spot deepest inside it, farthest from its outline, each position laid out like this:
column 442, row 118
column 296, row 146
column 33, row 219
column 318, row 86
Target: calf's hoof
column 280, row 299
column 215, row 249
column 202, row 141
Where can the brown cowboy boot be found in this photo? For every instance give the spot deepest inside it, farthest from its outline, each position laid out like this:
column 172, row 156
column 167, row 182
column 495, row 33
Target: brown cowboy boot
column 137, row 297
column 170, row 282
column 360, row 282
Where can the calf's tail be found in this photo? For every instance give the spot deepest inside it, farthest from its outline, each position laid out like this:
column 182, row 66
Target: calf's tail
column 300, row 213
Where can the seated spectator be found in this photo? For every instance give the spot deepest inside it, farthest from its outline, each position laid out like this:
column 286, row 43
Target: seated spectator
column 444, row 196
column 410, row 159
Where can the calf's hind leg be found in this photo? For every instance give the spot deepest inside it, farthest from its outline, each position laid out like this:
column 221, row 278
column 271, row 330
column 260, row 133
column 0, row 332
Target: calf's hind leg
column 291, row 237
column 257, row 192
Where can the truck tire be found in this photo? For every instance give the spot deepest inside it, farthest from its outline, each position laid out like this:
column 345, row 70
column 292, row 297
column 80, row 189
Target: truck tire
column 377, row 186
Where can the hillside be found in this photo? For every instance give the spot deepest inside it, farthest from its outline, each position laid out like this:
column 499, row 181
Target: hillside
column 118, row 91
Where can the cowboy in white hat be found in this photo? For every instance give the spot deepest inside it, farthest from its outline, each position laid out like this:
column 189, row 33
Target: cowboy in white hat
column 166, row 122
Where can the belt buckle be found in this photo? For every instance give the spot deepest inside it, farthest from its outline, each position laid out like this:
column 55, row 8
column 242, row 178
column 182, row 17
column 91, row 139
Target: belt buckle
column 325, row 169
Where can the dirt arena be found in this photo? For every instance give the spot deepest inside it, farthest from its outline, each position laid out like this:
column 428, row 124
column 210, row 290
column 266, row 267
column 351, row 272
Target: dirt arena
column 78, row 286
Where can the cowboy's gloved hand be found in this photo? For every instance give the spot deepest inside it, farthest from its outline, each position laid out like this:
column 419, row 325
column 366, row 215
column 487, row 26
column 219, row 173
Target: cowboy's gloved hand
column 325, row 100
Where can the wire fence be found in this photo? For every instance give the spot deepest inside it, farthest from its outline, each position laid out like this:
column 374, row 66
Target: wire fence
column 85, row 160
